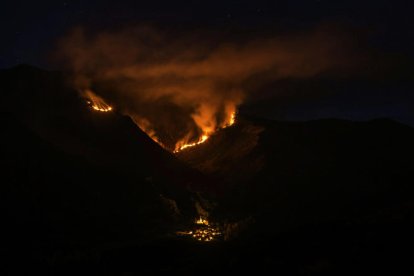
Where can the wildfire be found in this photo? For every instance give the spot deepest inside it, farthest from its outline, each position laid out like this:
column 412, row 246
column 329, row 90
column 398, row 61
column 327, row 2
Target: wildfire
column 204, row 137
column 101, row 108
column 232, row 119
column 96, row 102
column 184, row 146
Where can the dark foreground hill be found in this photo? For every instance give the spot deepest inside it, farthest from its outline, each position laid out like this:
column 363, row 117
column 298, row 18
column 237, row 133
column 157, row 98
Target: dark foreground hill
column 84, row 192
column 333, row 195
column 73, row 177
column 287, row 174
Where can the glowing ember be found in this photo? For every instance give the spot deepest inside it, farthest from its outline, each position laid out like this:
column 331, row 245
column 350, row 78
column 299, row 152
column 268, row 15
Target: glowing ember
column 204, row 232
column 96, row 102
column 101, row 108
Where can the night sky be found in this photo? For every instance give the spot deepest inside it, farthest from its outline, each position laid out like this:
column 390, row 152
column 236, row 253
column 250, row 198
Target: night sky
column 30, row 30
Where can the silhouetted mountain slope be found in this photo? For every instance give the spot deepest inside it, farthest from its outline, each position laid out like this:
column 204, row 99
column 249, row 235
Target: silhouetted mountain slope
column 73, row 175
column 88, row 190
column 62, row 198
column 287, row 174
column 49, row 106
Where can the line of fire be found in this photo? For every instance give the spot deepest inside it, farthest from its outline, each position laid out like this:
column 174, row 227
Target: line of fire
column 97, row 103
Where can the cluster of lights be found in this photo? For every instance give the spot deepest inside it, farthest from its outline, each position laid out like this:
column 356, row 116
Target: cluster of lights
column 207, row 234
column 204, row 231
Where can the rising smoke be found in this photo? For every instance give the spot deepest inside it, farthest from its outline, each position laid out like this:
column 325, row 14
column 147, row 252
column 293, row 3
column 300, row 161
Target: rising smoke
column 179, row 87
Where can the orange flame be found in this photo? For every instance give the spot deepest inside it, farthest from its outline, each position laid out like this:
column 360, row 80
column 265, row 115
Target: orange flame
column 96, row 102
column 202, row 221
column 232, row 120
column 203, row 138
column 183, row 145
column 101, row 108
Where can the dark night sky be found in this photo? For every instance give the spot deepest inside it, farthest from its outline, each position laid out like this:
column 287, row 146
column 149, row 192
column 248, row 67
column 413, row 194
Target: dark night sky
column 29, row 31
column 30, row 28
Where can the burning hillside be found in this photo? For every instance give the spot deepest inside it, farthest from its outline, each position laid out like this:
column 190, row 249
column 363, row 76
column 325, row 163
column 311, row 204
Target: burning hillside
column 96, row 102
column 96, row 181
column 182, row 145
column 180, row 89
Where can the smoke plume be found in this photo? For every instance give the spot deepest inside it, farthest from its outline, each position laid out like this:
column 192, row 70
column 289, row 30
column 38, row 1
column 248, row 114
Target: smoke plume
column 178, row 87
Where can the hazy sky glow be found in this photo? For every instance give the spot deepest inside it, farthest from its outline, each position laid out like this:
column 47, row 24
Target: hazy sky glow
column 380, row 31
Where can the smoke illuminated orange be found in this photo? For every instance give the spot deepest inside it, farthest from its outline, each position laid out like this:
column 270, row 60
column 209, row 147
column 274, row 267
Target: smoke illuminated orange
column 232, row 119
column 98, row 103
column 145, row 126
column 205, row 136
column 180, row 89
